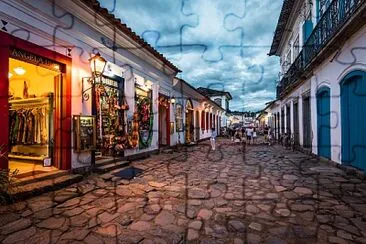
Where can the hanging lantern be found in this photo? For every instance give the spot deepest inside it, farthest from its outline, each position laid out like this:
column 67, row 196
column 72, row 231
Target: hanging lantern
column 97, row 64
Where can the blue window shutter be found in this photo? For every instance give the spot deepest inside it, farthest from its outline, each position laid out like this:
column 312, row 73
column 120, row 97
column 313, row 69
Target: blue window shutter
column 307, row 29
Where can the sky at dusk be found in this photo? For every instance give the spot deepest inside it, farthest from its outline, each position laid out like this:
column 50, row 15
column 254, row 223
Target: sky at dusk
column 219, row 44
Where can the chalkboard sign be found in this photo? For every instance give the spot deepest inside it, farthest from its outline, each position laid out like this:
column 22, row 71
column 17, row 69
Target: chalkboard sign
column 84, row 133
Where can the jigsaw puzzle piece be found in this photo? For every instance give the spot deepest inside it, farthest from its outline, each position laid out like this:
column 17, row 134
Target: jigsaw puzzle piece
column 213, row 50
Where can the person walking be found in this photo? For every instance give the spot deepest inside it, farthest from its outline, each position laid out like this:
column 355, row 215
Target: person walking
column 265, row 132
column 213, row 139
column 254, row 134
column 269, row 135
column 249, row 134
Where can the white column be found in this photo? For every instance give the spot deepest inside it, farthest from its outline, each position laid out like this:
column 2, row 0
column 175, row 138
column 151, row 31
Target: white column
column 313, row 112
column 280, row 120
column 292, row 126
column 285, row 119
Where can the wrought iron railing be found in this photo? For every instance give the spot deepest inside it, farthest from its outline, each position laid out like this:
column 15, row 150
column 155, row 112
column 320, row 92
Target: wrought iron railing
column 333, row 19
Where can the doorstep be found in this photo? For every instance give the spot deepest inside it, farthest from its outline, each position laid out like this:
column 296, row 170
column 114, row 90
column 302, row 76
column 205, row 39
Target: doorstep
column 34, row 186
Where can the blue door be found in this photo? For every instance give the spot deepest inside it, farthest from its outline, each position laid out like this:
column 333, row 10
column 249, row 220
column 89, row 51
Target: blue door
column 323, row 119
column 353, row 110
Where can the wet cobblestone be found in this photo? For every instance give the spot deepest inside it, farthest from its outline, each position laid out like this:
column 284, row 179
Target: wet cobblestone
column 263, row 195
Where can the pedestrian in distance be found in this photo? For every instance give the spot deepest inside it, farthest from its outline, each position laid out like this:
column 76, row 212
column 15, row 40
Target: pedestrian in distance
column 249, row 133
column 265, row 132
column 269, row 135
column 213, row 139
column 254, row 135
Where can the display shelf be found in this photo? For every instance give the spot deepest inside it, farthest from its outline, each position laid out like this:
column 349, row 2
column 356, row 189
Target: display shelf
column 38, row 158
column 29, row 100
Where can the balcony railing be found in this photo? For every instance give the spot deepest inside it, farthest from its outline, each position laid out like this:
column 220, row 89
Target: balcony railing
column 333, row 19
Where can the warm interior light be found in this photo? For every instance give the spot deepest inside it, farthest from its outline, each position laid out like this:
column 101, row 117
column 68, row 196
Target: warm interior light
column 10, row 75
column 56, row 67
column 19, row 70
column 97, row 64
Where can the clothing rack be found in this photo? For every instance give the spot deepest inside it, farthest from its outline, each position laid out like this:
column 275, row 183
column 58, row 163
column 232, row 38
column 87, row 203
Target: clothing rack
column 29, row 103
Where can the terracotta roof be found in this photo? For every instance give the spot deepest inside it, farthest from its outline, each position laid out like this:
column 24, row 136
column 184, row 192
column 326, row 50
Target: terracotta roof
column 94, row 4
column 281, row 25
column 211, row 92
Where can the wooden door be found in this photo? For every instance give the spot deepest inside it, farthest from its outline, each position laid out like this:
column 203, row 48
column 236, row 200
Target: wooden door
column 323, row 121
column 353, row 110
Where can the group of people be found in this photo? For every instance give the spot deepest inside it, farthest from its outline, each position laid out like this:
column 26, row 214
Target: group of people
column 238, row 135
column 250, row 134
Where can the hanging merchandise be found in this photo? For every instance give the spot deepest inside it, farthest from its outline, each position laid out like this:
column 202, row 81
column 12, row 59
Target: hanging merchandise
column 124, row 105
column 111, row 140
column 145, row 118
column 134, row 139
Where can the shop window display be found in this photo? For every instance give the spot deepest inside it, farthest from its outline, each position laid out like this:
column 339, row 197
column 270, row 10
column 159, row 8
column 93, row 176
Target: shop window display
column 179, row 117
column 31, row 115
column 145, row 116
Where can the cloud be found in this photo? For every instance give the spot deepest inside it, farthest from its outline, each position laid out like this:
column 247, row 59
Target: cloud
column 218, row 47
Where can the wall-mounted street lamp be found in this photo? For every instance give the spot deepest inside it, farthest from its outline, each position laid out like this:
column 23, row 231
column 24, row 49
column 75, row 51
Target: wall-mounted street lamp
column 97, row 65
column 172, row 100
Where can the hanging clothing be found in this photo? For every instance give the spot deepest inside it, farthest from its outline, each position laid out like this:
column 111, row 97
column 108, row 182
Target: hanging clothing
column 28, row 126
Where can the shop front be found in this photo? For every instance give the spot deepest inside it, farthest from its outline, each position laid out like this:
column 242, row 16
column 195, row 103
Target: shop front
column 143, row 119
column 110, row 117
column 35, row 107
column 164, row 120
column 189, row 120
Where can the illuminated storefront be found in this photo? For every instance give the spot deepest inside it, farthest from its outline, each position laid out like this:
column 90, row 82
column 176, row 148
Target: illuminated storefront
column 35, row 106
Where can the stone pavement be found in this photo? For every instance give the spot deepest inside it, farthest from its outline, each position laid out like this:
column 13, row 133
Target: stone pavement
column 265, row 195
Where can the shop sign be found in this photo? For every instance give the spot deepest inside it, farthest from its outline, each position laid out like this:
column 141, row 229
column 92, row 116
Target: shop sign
column 35, row 59
column 109, row 82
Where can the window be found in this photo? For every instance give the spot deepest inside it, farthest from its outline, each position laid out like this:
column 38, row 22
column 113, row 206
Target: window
column 218, row 101
column 323, row 6
column 179, row 117
column 288, row 60
column 227, row 104
column 296, row 47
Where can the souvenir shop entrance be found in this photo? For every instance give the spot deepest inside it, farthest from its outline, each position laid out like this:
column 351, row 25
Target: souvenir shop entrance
column 109, row 110
column 35, row 120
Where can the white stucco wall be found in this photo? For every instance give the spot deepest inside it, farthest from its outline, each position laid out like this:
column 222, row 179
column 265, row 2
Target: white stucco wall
column 330, row 73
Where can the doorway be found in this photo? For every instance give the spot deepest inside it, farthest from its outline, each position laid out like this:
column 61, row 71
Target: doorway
column 164, row 120
column 296, row 123
column 353, row 111
column 197, row 126
column 189, row 122
column 323, row 119
column 32, row 115
column 307, row 122
column 40, row 57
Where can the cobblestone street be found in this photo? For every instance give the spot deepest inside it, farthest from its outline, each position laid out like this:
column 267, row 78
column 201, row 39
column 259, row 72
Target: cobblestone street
column 265, row 195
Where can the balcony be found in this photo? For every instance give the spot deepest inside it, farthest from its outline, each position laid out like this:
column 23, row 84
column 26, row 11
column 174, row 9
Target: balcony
column 330, row 25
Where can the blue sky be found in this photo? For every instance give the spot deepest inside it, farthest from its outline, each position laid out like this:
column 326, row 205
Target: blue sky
column 220, row 44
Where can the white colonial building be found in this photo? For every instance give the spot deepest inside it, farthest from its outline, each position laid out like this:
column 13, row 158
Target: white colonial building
column 321, row 97
column 221, row 98
column 48, row 48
